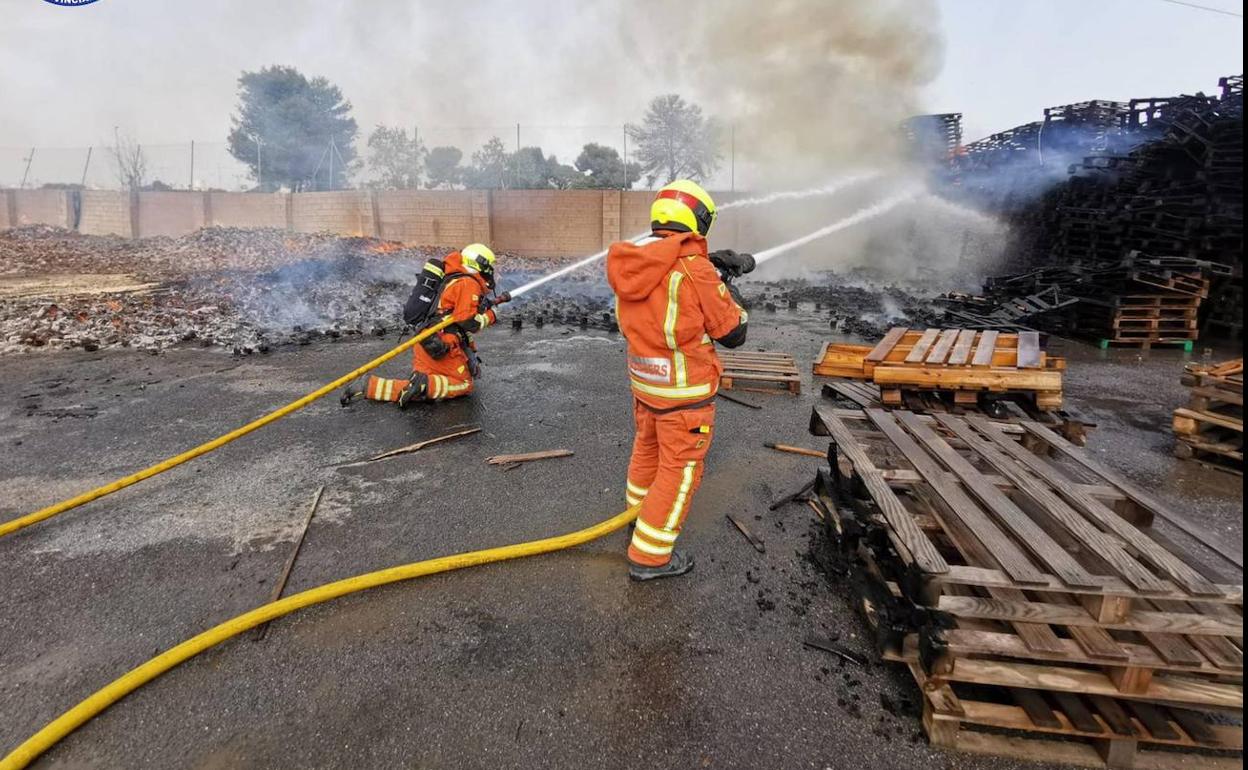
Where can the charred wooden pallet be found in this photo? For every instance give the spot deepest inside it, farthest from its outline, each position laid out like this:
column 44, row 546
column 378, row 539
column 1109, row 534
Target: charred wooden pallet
column 1210, row 428
column 1001, row 559
column 962, row 362
column 759, row 371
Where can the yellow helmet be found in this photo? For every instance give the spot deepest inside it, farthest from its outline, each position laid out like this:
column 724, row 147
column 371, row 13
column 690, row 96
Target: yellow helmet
column 477, row 256
column 683, row 206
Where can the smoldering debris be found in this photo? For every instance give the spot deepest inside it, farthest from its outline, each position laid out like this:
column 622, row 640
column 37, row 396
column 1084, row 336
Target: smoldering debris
column 245, row 290
column 856, row 303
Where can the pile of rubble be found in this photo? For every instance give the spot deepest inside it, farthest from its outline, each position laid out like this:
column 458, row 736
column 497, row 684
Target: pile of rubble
column 247, row 290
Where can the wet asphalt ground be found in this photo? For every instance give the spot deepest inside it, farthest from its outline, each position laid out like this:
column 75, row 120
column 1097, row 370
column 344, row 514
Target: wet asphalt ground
column 556, row 661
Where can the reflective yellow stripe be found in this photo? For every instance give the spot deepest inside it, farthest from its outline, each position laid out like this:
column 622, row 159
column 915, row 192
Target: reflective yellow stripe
column 455, row 388
column 745, row 317
column 387, row 389
column 435, row 384
column 686, row 483
column 435, row 269
column 650, row 548
column 654, row 533
column 483, row 320
column 632, row 500
column 689, row 391
column 636, row 490
column 673, row 308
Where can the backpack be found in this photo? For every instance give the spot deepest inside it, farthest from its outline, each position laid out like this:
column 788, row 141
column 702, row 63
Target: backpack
column 426, row 295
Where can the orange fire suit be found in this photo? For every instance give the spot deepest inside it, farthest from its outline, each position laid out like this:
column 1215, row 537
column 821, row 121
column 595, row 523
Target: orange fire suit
column 451, row 375
column 671, row 305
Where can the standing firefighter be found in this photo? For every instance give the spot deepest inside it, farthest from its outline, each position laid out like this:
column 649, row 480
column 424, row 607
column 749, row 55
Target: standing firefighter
column 672, row 301
column 445, row 364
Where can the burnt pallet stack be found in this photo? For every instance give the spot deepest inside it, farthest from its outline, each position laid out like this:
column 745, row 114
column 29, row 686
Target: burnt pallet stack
column 1137, row 300
column 1026, row 588
column 964, row 363
column 1161, row 176
column 1210, row 427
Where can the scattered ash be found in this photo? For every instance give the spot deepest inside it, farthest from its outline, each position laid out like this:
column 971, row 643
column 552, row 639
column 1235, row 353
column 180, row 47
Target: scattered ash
column 244, row 290
column 856, row 303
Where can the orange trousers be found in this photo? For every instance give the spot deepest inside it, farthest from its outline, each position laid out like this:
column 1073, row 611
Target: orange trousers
column 669, row 450
column 448, row 377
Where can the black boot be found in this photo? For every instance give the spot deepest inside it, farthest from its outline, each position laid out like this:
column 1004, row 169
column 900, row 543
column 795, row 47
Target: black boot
column 349, row 395
column 415, row 390
column 679, row 565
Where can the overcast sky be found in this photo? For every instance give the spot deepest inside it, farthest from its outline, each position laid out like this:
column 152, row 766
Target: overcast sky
column 165, row 72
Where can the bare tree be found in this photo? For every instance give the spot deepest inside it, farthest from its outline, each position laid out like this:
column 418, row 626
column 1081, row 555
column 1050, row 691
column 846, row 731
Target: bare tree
column 131, row 162
column 675, row 141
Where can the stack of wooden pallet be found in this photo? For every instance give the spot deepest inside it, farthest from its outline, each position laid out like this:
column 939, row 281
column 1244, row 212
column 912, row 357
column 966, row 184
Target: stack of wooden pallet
column 1144, row 305
column 1211, row 427
column 759, row 371
column 1026, row 589
column 963, row 362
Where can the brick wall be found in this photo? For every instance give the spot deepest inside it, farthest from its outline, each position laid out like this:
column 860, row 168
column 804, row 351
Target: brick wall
column 427, row 217
column 348, row 212
column 228, row 209
column 105, row 212
column 41, row 207
column 170, row 213
column 557, row 223
column 547, row 222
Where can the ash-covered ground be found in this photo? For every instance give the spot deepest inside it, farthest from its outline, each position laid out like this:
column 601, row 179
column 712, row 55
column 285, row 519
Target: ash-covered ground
column 253, row 290
column 533, row 663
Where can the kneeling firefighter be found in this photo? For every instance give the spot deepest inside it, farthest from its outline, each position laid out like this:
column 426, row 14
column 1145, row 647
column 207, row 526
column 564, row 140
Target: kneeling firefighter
column 445, row 365
column 674, row 300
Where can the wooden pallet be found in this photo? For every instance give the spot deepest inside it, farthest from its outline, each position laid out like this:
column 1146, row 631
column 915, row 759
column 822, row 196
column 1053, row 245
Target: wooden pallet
column 1210, row 428
column 964, row 362
column 1074, row 728
column 759, row 371
column 1007, row 406
column 1001, row 556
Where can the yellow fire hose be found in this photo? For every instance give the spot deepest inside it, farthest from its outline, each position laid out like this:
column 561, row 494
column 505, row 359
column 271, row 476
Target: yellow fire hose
column 71, row 720
column 13, row 525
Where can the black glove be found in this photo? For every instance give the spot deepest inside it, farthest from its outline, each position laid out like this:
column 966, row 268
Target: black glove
column 735, row 293
column 731, row 264
column 490, row 302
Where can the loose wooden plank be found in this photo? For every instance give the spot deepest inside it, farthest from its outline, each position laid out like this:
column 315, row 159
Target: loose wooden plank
column 987, row 346
column 1029, row 350
column 920, row 348
column 941, row 349
column 886, row 345
column 545, row 454
column 1144, row 621
column 920, row 549
column 1222, row 545
column 1004, row 510
column 1090, row 537
column 1094, row 509
column 962, row 348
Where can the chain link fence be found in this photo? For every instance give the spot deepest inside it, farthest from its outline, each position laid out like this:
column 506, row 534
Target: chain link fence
column 209, row 166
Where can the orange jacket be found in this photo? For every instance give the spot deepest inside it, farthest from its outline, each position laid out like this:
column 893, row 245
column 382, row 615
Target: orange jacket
column 461, row 298
column 671, row 304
